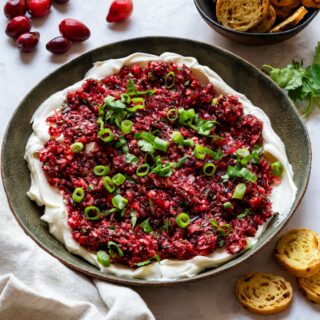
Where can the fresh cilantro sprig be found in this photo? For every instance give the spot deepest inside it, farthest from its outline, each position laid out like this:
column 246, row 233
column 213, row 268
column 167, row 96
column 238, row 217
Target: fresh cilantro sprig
column 302, row 84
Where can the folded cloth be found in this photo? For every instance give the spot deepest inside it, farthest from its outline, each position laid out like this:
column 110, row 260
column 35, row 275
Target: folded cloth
column 34, row 285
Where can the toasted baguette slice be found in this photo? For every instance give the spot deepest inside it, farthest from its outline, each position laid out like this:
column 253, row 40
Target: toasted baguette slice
column 292, row 21
column 311, row 3
column 298, row 251
column 268, row 21
column 310, row 287
column 285, row 3
column 263, row 293
column 241, row 15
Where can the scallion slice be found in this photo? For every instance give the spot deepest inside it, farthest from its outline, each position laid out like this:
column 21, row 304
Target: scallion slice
column 248, row 175
column 118, row 179
column 119, row 201
column 78, row 195
column 126, row 126
column 170, row 79
column 209, row 169
column 186, row 116
column 77, row 147
column 112, row 246
column 172, row 115
column 143, row 170
column 227, row 205
column 277, row 168
column 103, row 258
column 239, row 191
column 160, row 144
column 92, row 213
column 106, row 135
column 200, row 152
column 101, row 170
column 108, row 184
column 182, row 220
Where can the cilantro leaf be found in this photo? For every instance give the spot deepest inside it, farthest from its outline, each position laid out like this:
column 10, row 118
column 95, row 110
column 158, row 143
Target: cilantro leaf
column 302, row 84
column 145, row 226
column 131, row 158
column 290, row 77
column 133, row 219
column 145, row 146
column 316, row 58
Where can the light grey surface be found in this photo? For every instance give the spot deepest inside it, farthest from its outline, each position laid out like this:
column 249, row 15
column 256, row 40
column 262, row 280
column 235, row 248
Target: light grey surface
column 211, row 299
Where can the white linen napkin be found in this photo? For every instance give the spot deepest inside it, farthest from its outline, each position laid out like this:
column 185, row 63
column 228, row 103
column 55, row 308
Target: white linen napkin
column 34, row 285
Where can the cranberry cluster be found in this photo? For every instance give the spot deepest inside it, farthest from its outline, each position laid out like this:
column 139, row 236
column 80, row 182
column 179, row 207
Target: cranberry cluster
column 19, row 26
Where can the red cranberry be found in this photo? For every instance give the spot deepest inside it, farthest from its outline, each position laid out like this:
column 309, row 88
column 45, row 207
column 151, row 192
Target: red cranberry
column 39, row 8
column 74, row 30
column 61, row 1
column 17, row 26
column 28, row 41
column 120, row 10
column 58, row 45
column 14, row 8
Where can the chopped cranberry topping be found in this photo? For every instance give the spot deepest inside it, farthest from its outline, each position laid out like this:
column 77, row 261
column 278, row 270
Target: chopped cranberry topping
column 154, row 198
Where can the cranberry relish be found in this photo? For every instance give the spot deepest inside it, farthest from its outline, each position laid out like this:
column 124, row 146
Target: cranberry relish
column 213, row 171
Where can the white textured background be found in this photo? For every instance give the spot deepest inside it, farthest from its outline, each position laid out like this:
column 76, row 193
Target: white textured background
column 19, row 73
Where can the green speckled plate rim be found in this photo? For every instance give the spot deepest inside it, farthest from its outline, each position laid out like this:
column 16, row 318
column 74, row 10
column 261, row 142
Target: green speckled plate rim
column 11, row 174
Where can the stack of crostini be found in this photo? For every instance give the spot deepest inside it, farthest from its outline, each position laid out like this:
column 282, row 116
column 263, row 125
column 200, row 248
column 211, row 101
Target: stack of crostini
column 298, row 251
column 262, row 15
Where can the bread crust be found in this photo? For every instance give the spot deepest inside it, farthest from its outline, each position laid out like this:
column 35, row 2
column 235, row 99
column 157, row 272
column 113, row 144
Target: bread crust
column 311, row 3
column 298, row 251
column 266, row 24
column 292, row 21
column 263, row 293
column 310, row 287
column 241, row 15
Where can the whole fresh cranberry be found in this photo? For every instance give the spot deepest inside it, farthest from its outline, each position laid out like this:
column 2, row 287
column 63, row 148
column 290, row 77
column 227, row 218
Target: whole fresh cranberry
column 58, row 45
column 61, row 1
column 14, row 8
column 120, row 10
column 39, row 8
column 74, row 30
column 28, row 41
column 17, row 26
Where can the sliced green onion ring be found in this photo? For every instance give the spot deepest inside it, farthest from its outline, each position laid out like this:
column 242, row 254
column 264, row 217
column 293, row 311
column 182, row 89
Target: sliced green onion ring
column 106, row 135
column 172, row 114
column 243, row 153
column 78, row 195
column 227, row 205
column 239, row 191
column 209, row 169
column 103, row 258
column 143, row 170
column 177, row 137
column 119, row 201
column 170, row 79
column 248, row 175
column 77, row 147
column 108, row 184
column 113, row 246
column 161, row 144
column 118, row 179
column 182, row 220
column 126, row 126
column 149, row 159
column 200, row 152
column 101, row 170
column 92, row 213
column 277, row 168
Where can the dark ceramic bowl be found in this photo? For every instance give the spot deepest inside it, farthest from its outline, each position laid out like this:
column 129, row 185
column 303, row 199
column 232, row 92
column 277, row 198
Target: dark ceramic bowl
column 248, row 80
column 207, row 10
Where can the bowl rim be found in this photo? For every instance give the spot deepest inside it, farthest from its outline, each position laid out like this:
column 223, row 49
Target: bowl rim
column 207, row 273
column 299, row 26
